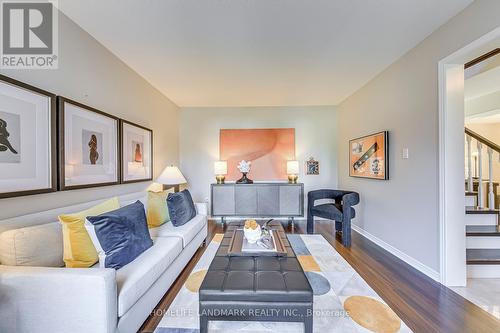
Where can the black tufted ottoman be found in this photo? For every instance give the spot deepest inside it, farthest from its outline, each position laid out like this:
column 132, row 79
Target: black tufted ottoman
column 255, row 288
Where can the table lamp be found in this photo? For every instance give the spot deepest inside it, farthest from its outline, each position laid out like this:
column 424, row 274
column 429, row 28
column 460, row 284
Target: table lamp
column 171, row 176
column 292, row 169
column 220, row 170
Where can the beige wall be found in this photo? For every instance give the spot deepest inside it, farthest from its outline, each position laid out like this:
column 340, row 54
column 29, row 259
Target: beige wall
column 90, row 74
column 315, row 135
column 403, row 212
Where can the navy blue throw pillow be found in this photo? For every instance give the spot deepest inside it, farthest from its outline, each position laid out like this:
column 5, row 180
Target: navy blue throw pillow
column 122, row 234
column 180, row 207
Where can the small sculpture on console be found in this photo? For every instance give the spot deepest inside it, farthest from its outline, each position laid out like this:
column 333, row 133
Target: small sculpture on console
column 244, row 167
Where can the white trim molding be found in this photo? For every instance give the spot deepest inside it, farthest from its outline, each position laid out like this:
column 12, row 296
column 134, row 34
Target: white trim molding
column 453, row 270
column 400, row 254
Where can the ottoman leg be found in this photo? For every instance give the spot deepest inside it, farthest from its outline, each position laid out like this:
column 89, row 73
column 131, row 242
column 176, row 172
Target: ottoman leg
column 204, row 324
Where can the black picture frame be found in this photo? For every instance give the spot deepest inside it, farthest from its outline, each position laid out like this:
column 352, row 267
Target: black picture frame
column 385, row 151
column 122, row 154
column 52, row 123
column 61, row 101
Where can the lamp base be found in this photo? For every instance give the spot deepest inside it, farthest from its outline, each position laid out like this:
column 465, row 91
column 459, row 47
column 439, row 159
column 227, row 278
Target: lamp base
column 292, row 179
column 220, row 179
column 176, row 188
column 244, row 179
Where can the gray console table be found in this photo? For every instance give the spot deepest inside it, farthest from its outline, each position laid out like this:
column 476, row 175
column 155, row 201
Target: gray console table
column 257, row 200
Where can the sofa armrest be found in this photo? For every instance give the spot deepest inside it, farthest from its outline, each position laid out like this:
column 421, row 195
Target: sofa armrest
column 42, row 299
column 201, row 208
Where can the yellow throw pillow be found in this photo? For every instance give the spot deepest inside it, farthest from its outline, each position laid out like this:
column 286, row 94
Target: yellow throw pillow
column 157, row 211
column 78, row 249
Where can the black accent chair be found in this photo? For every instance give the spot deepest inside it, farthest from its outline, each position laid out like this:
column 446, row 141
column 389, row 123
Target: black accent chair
column 340, row 211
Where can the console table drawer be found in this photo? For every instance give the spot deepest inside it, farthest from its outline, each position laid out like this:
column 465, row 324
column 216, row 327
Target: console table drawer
column 245, row 200
column 267, row 197
column 223, row 200
column 290, row 198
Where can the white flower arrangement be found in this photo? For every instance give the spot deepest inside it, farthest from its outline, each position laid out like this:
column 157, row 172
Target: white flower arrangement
column 244, row 166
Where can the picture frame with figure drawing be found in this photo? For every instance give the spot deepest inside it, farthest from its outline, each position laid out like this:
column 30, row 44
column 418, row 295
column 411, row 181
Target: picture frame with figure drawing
column 28, row 158
column 89, row 151
column 136, row 144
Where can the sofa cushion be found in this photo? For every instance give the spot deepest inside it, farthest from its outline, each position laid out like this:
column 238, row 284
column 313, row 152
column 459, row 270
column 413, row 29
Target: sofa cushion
column 79, row 251
column 40, row 245
column 185, row 232
column 121, row 235
column 157, row 211
column 180, row 207
column 134, row 279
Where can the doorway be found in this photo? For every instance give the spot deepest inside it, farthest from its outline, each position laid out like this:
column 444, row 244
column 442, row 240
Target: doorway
column 453, row 268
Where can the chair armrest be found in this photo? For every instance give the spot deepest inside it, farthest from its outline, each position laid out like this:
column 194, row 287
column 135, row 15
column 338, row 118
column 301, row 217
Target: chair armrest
column 350, row 199
column 201, row 208
column 42, row 299
column 347, row 197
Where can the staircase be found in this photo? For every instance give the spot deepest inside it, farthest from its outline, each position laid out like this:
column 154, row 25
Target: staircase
column 481, row 208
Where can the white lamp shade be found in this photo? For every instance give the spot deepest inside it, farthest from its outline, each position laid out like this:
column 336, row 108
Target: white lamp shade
column 220, row 168
column 171, row 176
column 292, row 167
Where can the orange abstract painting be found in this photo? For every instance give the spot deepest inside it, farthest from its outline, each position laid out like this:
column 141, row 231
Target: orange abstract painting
column 368, row 156
column 267, row 149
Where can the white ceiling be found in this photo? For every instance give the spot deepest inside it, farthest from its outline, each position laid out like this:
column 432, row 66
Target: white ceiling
column 259, row 52
column 491, row 117
column 482, row 84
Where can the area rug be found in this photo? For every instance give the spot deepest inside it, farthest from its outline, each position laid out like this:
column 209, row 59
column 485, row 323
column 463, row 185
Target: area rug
column 343, row 301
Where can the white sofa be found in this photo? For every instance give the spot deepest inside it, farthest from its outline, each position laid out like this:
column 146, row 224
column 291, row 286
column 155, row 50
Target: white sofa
column 98, row 300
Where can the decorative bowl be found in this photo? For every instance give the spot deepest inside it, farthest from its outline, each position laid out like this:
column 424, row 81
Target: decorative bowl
column 252, row 231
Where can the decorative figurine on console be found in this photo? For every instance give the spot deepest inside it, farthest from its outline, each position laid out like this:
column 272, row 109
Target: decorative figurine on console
column 244, row 167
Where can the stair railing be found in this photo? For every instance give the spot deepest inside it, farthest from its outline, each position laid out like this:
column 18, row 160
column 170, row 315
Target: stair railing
column 491, row 147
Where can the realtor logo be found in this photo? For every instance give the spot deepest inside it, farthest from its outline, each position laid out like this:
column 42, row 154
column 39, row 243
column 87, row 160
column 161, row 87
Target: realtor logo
column 29, row 35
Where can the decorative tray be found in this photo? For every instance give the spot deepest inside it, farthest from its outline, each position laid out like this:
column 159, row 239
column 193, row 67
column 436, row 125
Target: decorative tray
column 239, row 246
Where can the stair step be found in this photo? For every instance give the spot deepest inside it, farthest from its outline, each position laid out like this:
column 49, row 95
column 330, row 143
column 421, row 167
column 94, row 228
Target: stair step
column 482, row 230
column 483, row 271
column 481, row 219
column 467, row 193
column 477, row 210
column 483, row 256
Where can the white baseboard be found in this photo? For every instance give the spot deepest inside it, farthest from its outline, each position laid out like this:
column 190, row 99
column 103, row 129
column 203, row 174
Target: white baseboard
column 401, row 255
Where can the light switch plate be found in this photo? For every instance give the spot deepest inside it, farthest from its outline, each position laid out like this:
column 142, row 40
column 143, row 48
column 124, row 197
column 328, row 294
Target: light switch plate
column 405, row 153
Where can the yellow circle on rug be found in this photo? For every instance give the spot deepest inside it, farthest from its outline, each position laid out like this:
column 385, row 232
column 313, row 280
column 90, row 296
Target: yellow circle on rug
column 194, row 281
column 372, row 314
column 308, row 263
column 218, row 238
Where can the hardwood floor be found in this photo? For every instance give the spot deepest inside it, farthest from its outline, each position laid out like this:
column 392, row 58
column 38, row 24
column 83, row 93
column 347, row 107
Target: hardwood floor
column 423, row 304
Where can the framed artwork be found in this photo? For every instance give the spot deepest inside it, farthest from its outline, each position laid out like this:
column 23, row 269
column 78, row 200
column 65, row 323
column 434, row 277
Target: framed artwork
column 136, row 152
column 268, row 149
column 369, row 156
column 312, row 167
column 89, row 151
column 28, row 159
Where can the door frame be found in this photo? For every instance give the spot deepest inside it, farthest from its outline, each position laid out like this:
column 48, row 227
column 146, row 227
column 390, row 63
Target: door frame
column 453, row 267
